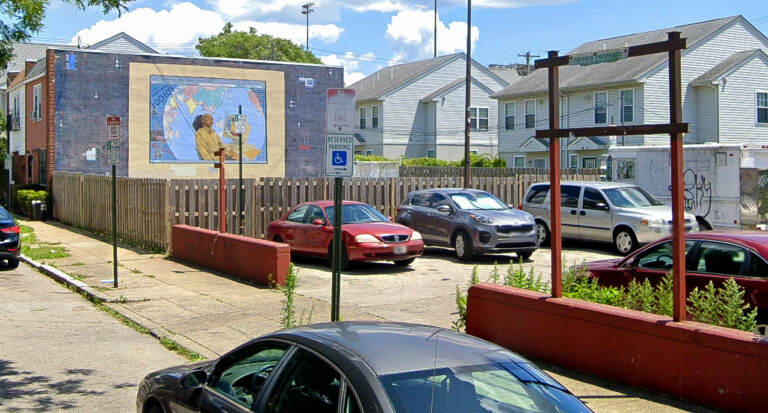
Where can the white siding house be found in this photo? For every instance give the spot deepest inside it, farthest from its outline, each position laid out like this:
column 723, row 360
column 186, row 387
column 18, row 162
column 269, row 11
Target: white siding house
column 420, row 109
column 723, row 71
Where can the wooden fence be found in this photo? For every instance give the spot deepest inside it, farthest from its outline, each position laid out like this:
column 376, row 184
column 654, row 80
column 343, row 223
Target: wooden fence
column 422, row 171
column 147, row 208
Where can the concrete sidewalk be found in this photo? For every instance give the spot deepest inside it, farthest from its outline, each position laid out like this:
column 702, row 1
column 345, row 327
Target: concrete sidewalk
column 211, row 313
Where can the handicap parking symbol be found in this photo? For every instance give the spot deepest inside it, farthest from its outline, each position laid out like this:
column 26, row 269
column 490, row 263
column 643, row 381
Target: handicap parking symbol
column 339, row 158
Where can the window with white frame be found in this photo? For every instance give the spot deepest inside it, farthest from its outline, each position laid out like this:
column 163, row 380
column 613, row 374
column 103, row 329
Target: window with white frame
column 762, row 108
column 530, row 114
column 37, row 102
column 601, row 108
column 374, row 117
column 518, row 161
column 573, row 161
column 628, row 106
column 362, row 118
column 478, row 119
column 16, row 112
column 589, row 163
column 539, row 163
column 509, row 116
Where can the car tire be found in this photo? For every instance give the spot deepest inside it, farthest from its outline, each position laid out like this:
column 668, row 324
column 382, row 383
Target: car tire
column 344, row 263
column 462, row 246
column 542, row 233
column 277, row 238
column 525, row 256
column 405, row 263
column 13, row 263
column 624, row 241
column 156, row 408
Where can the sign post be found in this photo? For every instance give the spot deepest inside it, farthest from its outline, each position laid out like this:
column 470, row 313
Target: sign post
column 339, row 162
column 113, row 158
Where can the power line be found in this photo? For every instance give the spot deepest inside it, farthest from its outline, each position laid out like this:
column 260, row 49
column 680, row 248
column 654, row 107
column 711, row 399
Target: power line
column 527, row 55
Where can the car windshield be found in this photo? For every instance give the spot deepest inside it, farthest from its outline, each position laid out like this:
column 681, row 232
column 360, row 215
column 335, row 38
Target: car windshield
column 631, row 197
column 497, row 387
column 357, row 214
column 477, row 200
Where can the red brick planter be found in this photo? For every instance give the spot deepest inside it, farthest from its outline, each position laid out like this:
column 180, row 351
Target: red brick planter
column 245, row 257
column 716, row 366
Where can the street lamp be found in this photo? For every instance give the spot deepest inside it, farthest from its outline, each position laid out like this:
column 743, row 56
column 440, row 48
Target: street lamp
column 307, row 8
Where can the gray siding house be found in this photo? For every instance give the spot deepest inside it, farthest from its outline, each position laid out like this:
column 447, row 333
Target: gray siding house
column 725, row 95
column 417, row 109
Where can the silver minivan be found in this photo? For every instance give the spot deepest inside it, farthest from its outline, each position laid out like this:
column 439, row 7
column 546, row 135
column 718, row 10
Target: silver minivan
column 623, row 214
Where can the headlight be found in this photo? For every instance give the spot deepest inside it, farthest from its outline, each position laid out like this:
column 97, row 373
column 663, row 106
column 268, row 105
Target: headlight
column 365, row 238
column 415, row 236
column 652, row 222
column 530, row 218
column 482, row 219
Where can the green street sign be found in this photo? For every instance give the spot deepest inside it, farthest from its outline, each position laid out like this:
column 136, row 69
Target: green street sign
column 594, row 58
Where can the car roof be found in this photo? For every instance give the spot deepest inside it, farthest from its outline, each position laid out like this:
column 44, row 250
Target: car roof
column 447, row 190
column 390, row 347
column 594, row 184
column 329, row 203
column 756, row 239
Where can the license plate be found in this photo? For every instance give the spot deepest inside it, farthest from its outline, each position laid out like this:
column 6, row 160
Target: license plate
column 400, row 250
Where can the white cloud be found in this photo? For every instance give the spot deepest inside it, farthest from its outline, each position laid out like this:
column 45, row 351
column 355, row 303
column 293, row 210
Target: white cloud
column 350, row 62
column 327, row 33
column 412, row 34
column 352, row 77
column 385, row 6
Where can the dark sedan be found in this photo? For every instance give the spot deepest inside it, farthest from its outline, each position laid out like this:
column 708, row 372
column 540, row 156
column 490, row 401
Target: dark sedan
column 710, row 256
column 471, row 222
column 10, row 239
column 359, row 367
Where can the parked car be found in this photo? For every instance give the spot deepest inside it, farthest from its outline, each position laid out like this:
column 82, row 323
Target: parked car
column 359, row 367
column 623, row 214
column 10, row 239
column 366, row 234
column 710, row 256
column 471, row 222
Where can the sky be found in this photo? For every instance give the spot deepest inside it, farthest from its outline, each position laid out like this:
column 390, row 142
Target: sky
column 364, row 36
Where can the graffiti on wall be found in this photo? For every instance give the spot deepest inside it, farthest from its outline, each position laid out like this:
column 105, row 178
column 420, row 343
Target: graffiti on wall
column 697, row 192
column 191, row 118
column 762, row 198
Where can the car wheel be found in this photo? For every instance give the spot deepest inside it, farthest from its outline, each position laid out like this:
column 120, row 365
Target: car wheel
column 13, row 263
column 525, row 256
column 463, row 246
column 624, row 241
column 405, row 263
column 543, row 233
column 344, row 263
column 277, row 238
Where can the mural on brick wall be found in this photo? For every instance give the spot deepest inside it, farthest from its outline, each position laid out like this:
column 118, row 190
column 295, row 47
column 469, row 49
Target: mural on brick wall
column 192, row 117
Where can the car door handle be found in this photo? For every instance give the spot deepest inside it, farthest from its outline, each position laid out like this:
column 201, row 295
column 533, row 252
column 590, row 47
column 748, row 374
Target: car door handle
column 573, row 212
column 582, row 213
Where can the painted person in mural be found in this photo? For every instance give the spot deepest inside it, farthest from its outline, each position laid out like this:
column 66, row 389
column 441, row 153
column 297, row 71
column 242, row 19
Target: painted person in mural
column 208, row 141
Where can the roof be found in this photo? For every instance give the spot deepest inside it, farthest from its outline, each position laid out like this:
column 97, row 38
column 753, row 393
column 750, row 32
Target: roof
column 758, row 240
column 730, row 63
column 390, row 78
column 453, row 85
column 620, row 72
column 596, row 184
column 27, row 51
column 37, row 69
column 124, row 36
column 388, row 347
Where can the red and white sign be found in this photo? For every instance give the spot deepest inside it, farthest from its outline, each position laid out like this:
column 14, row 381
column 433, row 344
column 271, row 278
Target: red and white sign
column 113, row 127
column 340, row 111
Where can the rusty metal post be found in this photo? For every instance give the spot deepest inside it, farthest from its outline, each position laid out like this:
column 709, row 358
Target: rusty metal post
column 222, row 190
column 555, row 235
column 678, row 210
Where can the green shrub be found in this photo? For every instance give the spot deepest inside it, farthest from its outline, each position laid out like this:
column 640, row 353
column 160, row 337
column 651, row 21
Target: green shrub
column 577, row 284
column 461, row 301
column 723, row 306
column 427, row 162
column 26, row 196
column 518, row 278
column 484, row 161
column 373, row 158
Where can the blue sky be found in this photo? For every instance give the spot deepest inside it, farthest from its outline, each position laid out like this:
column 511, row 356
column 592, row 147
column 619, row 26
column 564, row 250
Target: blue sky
column 364, row 36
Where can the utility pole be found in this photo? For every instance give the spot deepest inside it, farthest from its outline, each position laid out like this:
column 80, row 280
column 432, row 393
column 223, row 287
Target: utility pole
column 527, row 55
column 468, row 81
column 435, row 28
column 307, row 9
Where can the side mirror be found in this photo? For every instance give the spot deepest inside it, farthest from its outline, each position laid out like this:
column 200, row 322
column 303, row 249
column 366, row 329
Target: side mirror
column 193, row 379
column 603, row 207
column 389, row 217
column 318, row 222
column 510, row 206
column 444, row 209
column 327, row 228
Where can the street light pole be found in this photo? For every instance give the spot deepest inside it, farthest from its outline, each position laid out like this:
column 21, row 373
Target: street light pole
column 435, row 28
column 307, row 8
column 467, row 118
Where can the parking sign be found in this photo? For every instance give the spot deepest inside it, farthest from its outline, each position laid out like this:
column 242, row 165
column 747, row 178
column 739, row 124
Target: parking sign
column 339, row 153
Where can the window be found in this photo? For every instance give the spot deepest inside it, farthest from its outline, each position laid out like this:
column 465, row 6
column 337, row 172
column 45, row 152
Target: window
column 628, row 106
column 539, row 163
column 590, row 162
column 350, row 401
column 573, row 161
column 362, row 118
column 720, row 258
column 314, row 213
column 478, row 119
column 625, row 170
column 438, row 199
column 659, row 257
column 368, row 152
column 306, row 384
column 569, row 197
column 762, row 108
column 297, row 215
column 431, row 153
column 477, row 200
column 374, row 117
column 509, row 116
column 601, row 113
column 594, row 200
column 537, row 194
column 37, row 102
column 242, row 375
column 518, row 161
column 421, row 199
column 16, row 120
column 758, row 267
column 530, row 114
column 631, row 197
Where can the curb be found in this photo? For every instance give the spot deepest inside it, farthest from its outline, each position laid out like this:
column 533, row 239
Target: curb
column 78, row 285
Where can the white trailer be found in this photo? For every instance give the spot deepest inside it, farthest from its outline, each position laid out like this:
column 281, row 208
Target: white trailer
column 726, row 186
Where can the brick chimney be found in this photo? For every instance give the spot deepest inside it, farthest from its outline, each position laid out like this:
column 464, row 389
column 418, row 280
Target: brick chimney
column 11, row 76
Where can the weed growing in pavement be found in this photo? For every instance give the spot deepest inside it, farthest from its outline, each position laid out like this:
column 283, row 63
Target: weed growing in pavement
column 519, row 278
column 149, row 275
column 135, row 271
column 289, row 290
column 77, row 264
column 723, row 306
column 461, row 301
column 181, row 350
column 495, row 273
column 36, row 250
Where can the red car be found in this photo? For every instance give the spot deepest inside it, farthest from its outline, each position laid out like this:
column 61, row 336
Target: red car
column 366, row 233
column 710, row 256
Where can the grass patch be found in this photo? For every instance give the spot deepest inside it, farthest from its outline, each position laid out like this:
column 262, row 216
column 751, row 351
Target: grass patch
column 149, row 275
column 180, row 350
column 77, row 264
column 135, row 271
column 78, row 277
column 43, row 252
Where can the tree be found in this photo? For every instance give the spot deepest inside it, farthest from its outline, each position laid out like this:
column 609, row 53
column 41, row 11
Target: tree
column 250, row 45
column 23, row 18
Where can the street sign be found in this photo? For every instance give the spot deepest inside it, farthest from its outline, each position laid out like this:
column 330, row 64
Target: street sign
column 113, row 152
column 602, row 56
column 113, row 127
column 339, row 155
column 340, row 111
column 239, row 124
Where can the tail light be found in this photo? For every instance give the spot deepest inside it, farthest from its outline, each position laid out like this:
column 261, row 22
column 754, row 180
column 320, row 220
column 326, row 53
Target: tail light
column 520, row 206
column 11, row 230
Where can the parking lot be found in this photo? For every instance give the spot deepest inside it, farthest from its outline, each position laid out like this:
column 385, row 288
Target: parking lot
column 426, row 291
